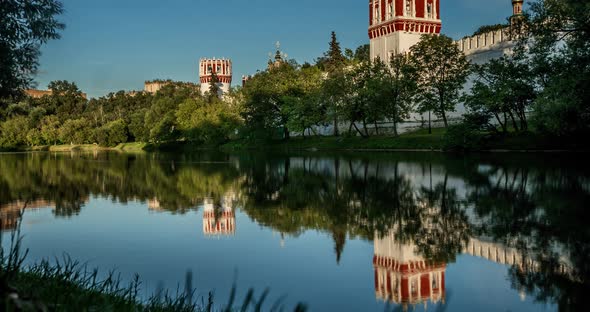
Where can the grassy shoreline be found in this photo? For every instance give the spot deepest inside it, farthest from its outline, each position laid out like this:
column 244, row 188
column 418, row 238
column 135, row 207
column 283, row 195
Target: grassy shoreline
column 418, row 141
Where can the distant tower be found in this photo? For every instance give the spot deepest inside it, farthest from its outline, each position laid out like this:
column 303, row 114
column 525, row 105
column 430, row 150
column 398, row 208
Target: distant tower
column 396, row 25
column 279, row 57
column 516, row 11
column 221, row 67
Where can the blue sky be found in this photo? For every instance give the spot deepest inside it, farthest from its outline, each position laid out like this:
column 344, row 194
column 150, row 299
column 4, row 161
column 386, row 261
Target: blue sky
column 112, row 45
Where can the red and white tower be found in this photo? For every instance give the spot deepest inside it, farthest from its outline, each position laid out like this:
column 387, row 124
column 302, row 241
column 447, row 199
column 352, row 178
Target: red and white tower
column 396, row 25
column 222, row 224
column 220, row 67
column 403, row 276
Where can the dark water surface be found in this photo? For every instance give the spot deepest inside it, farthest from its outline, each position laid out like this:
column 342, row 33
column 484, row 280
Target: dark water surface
column 348, row 232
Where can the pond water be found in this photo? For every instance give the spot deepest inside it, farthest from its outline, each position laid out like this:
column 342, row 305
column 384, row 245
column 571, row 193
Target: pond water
column 348, row 232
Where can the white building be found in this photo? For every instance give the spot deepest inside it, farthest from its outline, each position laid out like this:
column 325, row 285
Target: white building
column 396, row 25
column 222, row 68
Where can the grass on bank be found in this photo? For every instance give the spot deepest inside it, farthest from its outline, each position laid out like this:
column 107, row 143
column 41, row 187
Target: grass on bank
column 419, row 140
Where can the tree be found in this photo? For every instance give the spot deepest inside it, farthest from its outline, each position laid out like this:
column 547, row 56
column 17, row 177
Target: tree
column 334, row 65
column 214, row 89
column 13, row 132
column 401, row 87
column 66, row 100
column 362, row 53
column 442, row 71
column 504, row 89
column 559, row 41
column 50, row 129
column 26, row 25
column 75, row 131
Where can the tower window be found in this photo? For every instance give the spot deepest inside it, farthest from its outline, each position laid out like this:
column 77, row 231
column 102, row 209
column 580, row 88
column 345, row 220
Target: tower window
column 429, row 10
column 408, row 8
column 391, row 9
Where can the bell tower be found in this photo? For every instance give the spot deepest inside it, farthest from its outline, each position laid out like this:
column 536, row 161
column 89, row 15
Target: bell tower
column 516, row 11
column 396, row 25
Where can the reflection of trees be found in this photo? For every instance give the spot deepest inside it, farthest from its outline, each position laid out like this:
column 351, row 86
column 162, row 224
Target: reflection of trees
column 535, row 205
column 356, row 198
column 541, row 211
column 446, row 230
column 70, row 180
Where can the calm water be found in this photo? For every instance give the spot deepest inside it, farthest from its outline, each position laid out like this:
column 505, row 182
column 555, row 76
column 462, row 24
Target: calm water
column 353, row 232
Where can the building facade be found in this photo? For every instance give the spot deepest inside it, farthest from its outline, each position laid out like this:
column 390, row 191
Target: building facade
column 222, row 68
column 396, row 25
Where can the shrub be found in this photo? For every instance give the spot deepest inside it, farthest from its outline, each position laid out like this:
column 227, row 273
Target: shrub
column 462, row 137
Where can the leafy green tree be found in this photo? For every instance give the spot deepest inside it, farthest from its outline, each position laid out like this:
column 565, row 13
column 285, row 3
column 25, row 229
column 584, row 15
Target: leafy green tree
column 214, row 89
column 75, row 131
column 363, row 53
column 264, row 98
column 66, row 100
column 504, row 89
column 442, row 71
column 50, row 129
column 334, row 63
column 26, row 25
column 13, row 132
column 401, row 88
column 306, row 111
column 560, row 35
column 137, row 127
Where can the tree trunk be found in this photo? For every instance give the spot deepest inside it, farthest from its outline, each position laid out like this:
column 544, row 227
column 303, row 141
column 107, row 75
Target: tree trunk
column 313, row 131
column 500, row 122
column 336, row 132
column 444, row 116
column 285, row 133
column 376, row 128
column 394, row 127
column 350, row 128
column 514, row 124
column 429, row 123
column 358, row 130
column 365, row 128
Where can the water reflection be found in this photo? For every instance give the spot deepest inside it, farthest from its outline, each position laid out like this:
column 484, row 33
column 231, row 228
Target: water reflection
column 421, row 211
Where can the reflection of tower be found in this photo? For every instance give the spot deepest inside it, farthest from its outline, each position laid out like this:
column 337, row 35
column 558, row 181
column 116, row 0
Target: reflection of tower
column 10, row 213
column 221, row 68
column 404, row 277
column 224, row 224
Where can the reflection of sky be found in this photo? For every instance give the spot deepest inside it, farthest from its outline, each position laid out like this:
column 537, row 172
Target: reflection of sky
column 163, row 246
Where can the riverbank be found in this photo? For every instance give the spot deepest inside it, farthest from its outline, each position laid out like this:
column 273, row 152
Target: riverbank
column 419, row 140
column 70, row 286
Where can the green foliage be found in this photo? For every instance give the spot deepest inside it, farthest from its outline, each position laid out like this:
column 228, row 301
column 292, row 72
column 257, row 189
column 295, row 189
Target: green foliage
column 489, row 28
column 75, row 131
column 13, row 132
column 560, row 31
column 206, row 122
column 112, row 134
column 363, row 53
column 464, row 136
column 26, row 25
column 504, row 90
column 443, row 69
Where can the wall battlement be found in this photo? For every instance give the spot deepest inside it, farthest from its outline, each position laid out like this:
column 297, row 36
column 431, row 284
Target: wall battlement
column 493, row 40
